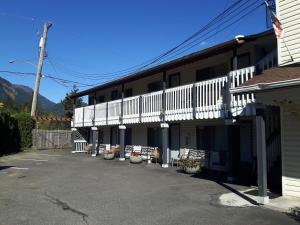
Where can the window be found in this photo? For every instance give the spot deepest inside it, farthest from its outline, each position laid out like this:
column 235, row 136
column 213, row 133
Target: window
column 100, row 99
column 212, row 72
column 243, row 61
column 128, row 93
column 115, row 95
column 155, row 86
column 91, row 100
column 174, row 80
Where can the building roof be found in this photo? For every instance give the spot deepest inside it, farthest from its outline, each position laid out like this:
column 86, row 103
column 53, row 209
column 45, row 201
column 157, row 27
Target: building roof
column 277, row 77
column 217, row 49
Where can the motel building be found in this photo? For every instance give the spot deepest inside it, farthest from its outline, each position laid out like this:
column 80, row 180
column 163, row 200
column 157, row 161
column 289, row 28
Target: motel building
column 239, row 101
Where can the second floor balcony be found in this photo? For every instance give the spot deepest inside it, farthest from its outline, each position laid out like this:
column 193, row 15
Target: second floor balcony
column 208, row 99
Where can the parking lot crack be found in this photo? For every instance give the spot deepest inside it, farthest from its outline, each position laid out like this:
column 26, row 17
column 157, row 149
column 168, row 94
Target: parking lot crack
column 66, row 207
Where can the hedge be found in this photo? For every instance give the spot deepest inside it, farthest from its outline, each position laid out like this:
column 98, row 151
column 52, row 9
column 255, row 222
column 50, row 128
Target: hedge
column 25, row 126
column 15, row 132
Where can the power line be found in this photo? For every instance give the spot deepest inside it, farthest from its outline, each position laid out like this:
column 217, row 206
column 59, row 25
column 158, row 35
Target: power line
column 151, row 61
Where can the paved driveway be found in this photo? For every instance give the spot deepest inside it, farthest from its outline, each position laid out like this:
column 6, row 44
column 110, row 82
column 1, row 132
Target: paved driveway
column 58, row 188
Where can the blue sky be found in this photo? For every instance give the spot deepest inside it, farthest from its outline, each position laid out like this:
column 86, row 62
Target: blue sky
column 103, row 36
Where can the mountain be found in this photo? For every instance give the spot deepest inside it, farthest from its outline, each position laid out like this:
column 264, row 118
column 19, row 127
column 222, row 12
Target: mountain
column 19, row 95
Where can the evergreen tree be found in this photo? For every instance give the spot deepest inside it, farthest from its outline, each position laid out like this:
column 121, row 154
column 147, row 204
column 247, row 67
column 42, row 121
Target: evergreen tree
column 68, row 102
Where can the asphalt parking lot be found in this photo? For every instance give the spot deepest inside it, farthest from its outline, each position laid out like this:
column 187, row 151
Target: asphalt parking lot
column 57, row 188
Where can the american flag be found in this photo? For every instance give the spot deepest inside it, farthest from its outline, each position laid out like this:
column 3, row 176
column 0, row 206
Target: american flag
column 277, row 25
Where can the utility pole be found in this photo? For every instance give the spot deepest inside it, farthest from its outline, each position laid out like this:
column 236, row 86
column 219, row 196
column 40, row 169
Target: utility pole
column 42, row 46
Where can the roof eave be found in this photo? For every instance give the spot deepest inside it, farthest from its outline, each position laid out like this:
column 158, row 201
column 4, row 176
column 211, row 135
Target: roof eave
column 265, row 86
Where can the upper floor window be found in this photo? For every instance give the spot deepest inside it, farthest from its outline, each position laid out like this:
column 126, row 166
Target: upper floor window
column 155, row 86
column 174, row 80
column 212, row 72
column 91, row 100
column 243, row 61
column 128, row 93
column 115, row 94
column 100, row 99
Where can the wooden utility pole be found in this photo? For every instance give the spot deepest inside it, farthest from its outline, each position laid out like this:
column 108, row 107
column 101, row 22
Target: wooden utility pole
column 42, row 46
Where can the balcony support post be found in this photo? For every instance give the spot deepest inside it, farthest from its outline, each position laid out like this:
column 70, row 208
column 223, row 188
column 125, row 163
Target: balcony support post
column 164, row 86
column 194, row 100
column 122, row 130
column 73, row 137
column 165, row 144
column 140, row 108
column 94, row 101
column 106, row 113
column 94, row 141
column 262, row 197
column 122, row 105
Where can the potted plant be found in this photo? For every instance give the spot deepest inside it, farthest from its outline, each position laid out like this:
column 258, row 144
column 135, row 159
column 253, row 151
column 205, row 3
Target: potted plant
column 136, row 157
column 108, row 155
column 191, row 166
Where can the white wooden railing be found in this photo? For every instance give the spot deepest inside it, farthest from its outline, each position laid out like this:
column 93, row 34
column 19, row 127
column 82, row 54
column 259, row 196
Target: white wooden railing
column 100, row 114
column 179, row 103
column 269, row 61
column 131, row 109
column 209, row 98
column 238, row 102
column 80, row 146
column 78, row 117
column 88, row 115
column 202, row 100
column 114, row 112
column 151, row 106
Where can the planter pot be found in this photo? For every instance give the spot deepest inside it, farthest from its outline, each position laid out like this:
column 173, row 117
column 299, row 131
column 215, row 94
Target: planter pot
column 109, row 156
column 191, row 170
column 136, row 159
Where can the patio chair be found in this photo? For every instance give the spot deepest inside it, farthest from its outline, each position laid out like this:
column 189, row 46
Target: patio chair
column 145, row 152
column 116, row 149
column 154, row 154
column 128, row 150
column 175, row 157
column 196, row 154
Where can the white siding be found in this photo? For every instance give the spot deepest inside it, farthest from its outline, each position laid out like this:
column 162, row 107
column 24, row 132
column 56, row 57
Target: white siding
column 291, row 150
column 288, row 12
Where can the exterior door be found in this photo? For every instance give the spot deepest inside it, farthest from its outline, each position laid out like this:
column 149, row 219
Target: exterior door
column 114, row 135
column 174, row 136
column 154, row 137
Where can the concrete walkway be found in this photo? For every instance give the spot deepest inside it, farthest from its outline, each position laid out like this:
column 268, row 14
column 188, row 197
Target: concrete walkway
column 59, row 188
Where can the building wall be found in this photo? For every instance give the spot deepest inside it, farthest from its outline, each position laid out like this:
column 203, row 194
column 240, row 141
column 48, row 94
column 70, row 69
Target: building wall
column 291, row 150
column 288, row 12
column 257, row 50
column 289, row 101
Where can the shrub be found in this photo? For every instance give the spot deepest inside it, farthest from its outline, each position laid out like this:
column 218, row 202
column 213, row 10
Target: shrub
column 25, row 126
column 10, row 138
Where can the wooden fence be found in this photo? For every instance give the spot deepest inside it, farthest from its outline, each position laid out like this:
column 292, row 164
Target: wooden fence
column 51, row 139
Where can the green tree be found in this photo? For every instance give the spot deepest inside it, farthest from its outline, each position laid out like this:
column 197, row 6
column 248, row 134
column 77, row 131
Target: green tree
column 68, row 102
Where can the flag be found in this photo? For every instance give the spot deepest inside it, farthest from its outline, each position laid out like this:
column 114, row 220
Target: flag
column 277, row 25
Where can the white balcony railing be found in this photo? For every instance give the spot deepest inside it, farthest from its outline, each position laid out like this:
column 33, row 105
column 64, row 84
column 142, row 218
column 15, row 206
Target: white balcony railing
column 209, row 98
column 179, row 103
column 239, row 102
column 202, row 100
column 114, row 112
column 88, row 115
column 100, row 114
column 131, row 109
column 151, row 107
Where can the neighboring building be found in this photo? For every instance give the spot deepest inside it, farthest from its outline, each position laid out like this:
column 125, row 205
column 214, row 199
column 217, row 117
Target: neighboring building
column 280, row 87
column 187, row 103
